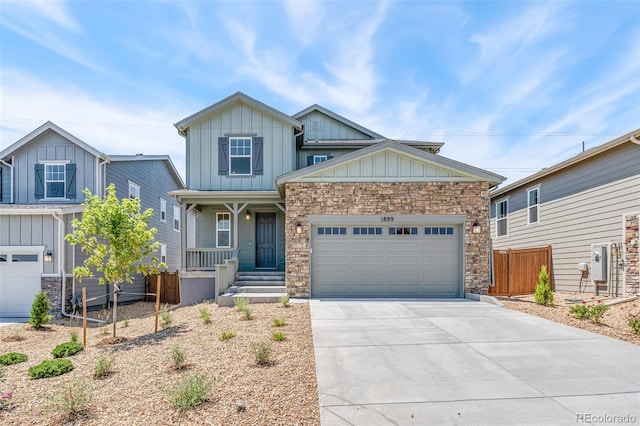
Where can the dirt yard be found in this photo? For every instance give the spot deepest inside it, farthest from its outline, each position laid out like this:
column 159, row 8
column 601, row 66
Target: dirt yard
column 281, row 393
column 613, row 323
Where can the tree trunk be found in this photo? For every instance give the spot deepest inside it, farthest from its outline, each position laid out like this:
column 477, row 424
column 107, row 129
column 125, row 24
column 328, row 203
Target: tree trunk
column 115, row 309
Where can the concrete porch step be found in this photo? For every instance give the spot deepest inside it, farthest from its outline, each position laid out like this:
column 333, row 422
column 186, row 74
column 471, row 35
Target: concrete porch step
column 256, row 277
column 227, row 299
column 267, row 283
column 258, row 289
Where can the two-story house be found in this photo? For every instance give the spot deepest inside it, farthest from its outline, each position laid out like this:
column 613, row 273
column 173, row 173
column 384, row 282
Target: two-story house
column 339, row 210
column 42, row 177
column 586, row 208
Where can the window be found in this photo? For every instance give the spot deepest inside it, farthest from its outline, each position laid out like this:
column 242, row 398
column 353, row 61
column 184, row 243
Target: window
column 176, row 218
column 163, row 210
column 502, row 208
column 367, row 231
column 54, row 180
column 403, row 231
column 327, row 230
column 223, row 230
column 533, row 203
column 319, row 159
column 438, row 231
column 134, row 190
column 163, row 253
column 240, row 156
column 24, row 258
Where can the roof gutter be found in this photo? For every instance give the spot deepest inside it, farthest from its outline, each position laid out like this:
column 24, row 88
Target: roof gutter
column 634, row 140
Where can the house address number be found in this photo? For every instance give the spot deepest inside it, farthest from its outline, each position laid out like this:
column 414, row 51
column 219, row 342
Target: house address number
column 387, row 219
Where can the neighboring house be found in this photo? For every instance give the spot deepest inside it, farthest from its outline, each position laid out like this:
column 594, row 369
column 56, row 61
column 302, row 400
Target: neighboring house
column 342, row 209
column 42, row 177
column 578, row 206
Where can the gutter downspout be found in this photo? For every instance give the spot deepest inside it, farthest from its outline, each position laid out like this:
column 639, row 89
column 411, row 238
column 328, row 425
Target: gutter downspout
column 101, row 177
column 11, row 167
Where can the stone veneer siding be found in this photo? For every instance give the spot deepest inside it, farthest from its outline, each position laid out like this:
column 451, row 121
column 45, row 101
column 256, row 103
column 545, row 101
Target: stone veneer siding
column 52, row 286
column 631, row 256
column 426, row 198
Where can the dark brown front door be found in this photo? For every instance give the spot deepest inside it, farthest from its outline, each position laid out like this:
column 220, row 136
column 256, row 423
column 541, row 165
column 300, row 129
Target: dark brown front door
column 266, row 240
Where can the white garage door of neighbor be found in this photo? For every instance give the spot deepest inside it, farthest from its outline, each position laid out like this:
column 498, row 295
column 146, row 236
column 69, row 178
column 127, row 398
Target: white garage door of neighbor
column 19, row 283
column 386, row 261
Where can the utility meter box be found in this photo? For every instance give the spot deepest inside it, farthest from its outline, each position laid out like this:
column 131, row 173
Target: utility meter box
column 583, row 267
column 599, row 263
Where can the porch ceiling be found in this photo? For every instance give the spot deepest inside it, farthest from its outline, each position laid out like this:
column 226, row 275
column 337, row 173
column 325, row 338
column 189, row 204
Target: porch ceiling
column 221, row 197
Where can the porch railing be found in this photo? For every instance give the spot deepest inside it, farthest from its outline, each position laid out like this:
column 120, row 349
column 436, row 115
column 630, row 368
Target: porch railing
column 206, row 258
column 226, row 274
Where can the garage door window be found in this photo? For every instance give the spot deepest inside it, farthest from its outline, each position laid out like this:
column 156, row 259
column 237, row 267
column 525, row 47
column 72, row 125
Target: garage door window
column 438, row 231
column 326, row 230
column 403, row 231
column 3, row 257
column 24, row 258
column 371, row 230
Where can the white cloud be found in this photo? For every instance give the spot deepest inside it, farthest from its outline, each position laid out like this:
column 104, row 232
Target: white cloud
column 306, row 19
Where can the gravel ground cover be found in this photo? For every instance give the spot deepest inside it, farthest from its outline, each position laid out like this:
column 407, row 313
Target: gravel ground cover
column 284, row 392
column 614, row 323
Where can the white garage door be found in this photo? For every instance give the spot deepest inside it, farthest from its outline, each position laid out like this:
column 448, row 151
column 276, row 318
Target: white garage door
column 386, row 261
column 19, row 282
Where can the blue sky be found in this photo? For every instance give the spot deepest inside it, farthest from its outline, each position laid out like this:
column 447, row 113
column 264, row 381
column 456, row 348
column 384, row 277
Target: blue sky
column 511, row 87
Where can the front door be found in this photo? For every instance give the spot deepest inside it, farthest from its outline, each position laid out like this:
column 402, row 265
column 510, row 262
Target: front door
column 266, row 240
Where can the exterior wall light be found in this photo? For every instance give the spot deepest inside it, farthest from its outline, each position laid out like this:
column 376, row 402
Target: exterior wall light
column 476, row 228
column 298, row 228
column 247, row 215
column 48, row 256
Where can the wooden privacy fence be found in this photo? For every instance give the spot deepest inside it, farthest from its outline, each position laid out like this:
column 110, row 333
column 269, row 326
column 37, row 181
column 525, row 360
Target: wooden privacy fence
column 169, row 287
column 516, row 271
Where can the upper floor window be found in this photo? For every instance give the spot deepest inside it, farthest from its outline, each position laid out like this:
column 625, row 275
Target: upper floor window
column 134, row 190
column 163, row 253
column 502, row 208
column 533, row 205
column 55, row 180
column 163, row 210
column 318, row 158
column 240, row 156
column 223, row 230
column 176, row 218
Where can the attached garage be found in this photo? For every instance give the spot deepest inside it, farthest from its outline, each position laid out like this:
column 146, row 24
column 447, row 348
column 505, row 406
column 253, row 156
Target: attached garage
column 20, row 280
column 398, row 260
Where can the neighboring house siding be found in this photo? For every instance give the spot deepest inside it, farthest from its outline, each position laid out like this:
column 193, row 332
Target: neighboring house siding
column 27, row 230
column 303, row 154
column 51, row 146
column 5, row 181
column 238, row 119
column 579, row 206
column 320, row 126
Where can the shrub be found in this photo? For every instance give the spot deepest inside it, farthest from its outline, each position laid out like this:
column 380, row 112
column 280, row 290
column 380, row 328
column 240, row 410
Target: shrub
column 593, row 312
column 178, row 357
column 227, row 335
column 278, row 322
column 12, row 358
column 246, row 310
column 580, row 311
column 73, row 334
column 190, row 391
column 72, row 397
column 278, row 336
column 102, row 366
column 126, row 322
column 5, row 396
column 262, row 352
column 40, row 310
column 544, row 294
column 205, row 315
column 50, row 368
column 284, row 300
column 634, row 324
column 240, row 302
column 165, row 316
column 66, row 349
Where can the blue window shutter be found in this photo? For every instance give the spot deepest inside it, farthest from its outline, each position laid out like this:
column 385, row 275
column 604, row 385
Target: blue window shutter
column 257, row 143
column 329, row 157
column 70, row 190
column 309, row 160
column 1, row 173
column 39, row 193
column 223, row 156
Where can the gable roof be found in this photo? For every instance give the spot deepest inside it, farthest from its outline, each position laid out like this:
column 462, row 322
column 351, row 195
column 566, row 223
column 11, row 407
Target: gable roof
column 455, row 170
column 185, row 123
column 42, row 129
column 140, row 157
column 339, row 118
column 633, row 137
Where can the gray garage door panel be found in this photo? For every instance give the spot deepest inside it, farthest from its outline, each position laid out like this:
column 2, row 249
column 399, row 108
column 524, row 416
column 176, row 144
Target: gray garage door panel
column 386, row 265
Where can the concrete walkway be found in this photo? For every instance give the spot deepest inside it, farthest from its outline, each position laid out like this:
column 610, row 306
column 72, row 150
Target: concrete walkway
column 466, row 362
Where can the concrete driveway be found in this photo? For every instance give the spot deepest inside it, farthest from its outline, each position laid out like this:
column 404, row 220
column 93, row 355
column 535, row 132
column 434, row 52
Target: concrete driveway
column 466, row 362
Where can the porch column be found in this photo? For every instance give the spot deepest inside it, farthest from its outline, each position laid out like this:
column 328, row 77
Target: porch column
column 236, row 211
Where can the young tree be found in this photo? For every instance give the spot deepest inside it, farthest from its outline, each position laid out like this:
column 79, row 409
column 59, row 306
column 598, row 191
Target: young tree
column 115, row 237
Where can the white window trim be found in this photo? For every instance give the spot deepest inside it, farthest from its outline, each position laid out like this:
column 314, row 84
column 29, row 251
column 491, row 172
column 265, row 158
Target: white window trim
column 176, row 219
column 218, row 230
column 163, row 210
column 505, row 218
column 250, row 156
column 323, row 158
column 64, row 179
column 529, row 190
column 136, row 187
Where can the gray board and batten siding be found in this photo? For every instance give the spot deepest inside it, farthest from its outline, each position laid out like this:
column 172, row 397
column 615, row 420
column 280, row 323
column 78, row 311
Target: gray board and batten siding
column 580, row 205
column 238, row 119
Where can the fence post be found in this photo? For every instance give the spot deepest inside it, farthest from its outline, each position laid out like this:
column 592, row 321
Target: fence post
column 157, row 301
column 84, row 316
